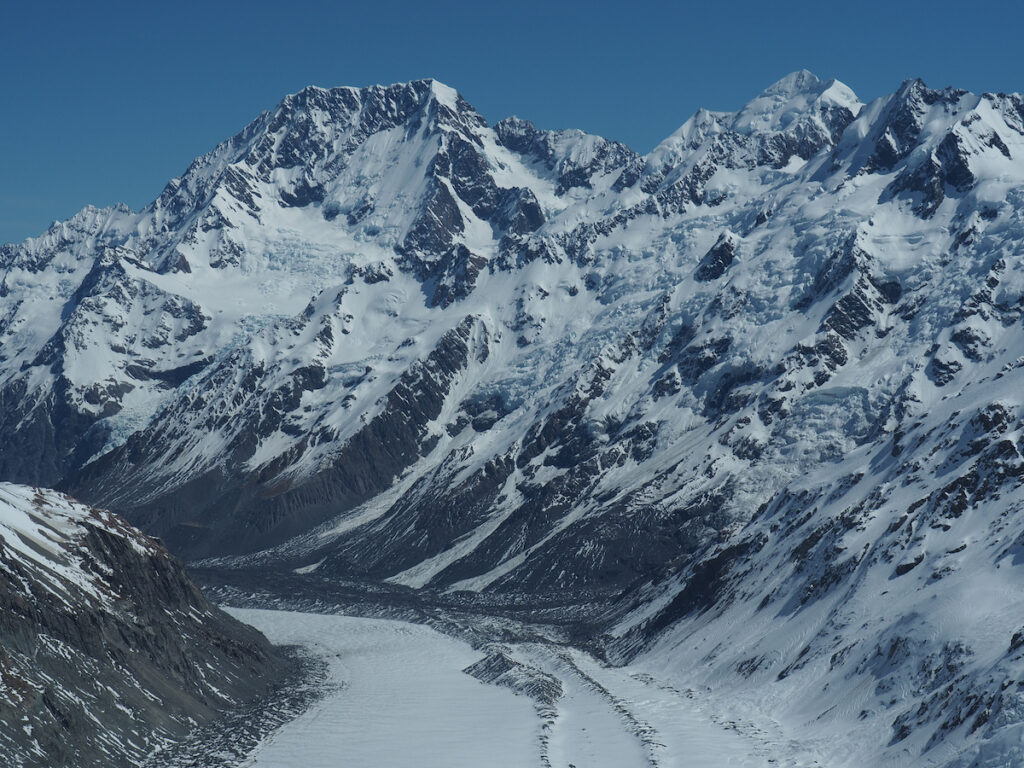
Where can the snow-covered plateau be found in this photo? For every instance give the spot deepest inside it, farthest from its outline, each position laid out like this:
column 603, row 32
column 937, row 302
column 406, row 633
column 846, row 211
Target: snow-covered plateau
column 743, row 414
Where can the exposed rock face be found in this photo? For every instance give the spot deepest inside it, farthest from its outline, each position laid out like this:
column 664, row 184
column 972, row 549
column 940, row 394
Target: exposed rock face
column 107, row 650
column 718, row 259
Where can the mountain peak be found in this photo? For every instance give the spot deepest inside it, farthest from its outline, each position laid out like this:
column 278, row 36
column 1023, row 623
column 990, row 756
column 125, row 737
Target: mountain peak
column 813, row 111
column 444, row 94
column 422, row 90
column 785, row 101
column 344, row 107
column 370, row 306
column 801, row 81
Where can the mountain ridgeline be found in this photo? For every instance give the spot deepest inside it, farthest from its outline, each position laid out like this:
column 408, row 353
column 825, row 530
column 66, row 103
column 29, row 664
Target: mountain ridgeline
column 758, row 393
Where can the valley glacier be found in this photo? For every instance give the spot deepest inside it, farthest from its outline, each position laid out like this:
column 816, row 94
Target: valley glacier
column 742, row 417
column 400, row 697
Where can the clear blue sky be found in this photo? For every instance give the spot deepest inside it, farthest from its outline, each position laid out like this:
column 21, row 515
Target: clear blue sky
column 105, row 101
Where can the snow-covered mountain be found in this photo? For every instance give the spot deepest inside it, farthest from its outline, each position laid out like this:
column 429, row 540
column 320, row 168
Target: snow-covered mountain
column 766, row 377
column 107, row 650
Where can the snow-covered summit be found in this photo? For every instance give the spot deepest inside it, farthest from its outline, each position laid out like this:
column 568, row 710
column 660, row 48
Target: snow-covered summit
column 791, row 121
column 795, row 96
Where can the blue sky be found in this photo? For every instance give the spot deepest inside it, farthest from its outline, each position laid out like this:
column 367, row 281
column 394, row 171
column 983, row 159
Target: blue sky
column 105, row 101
